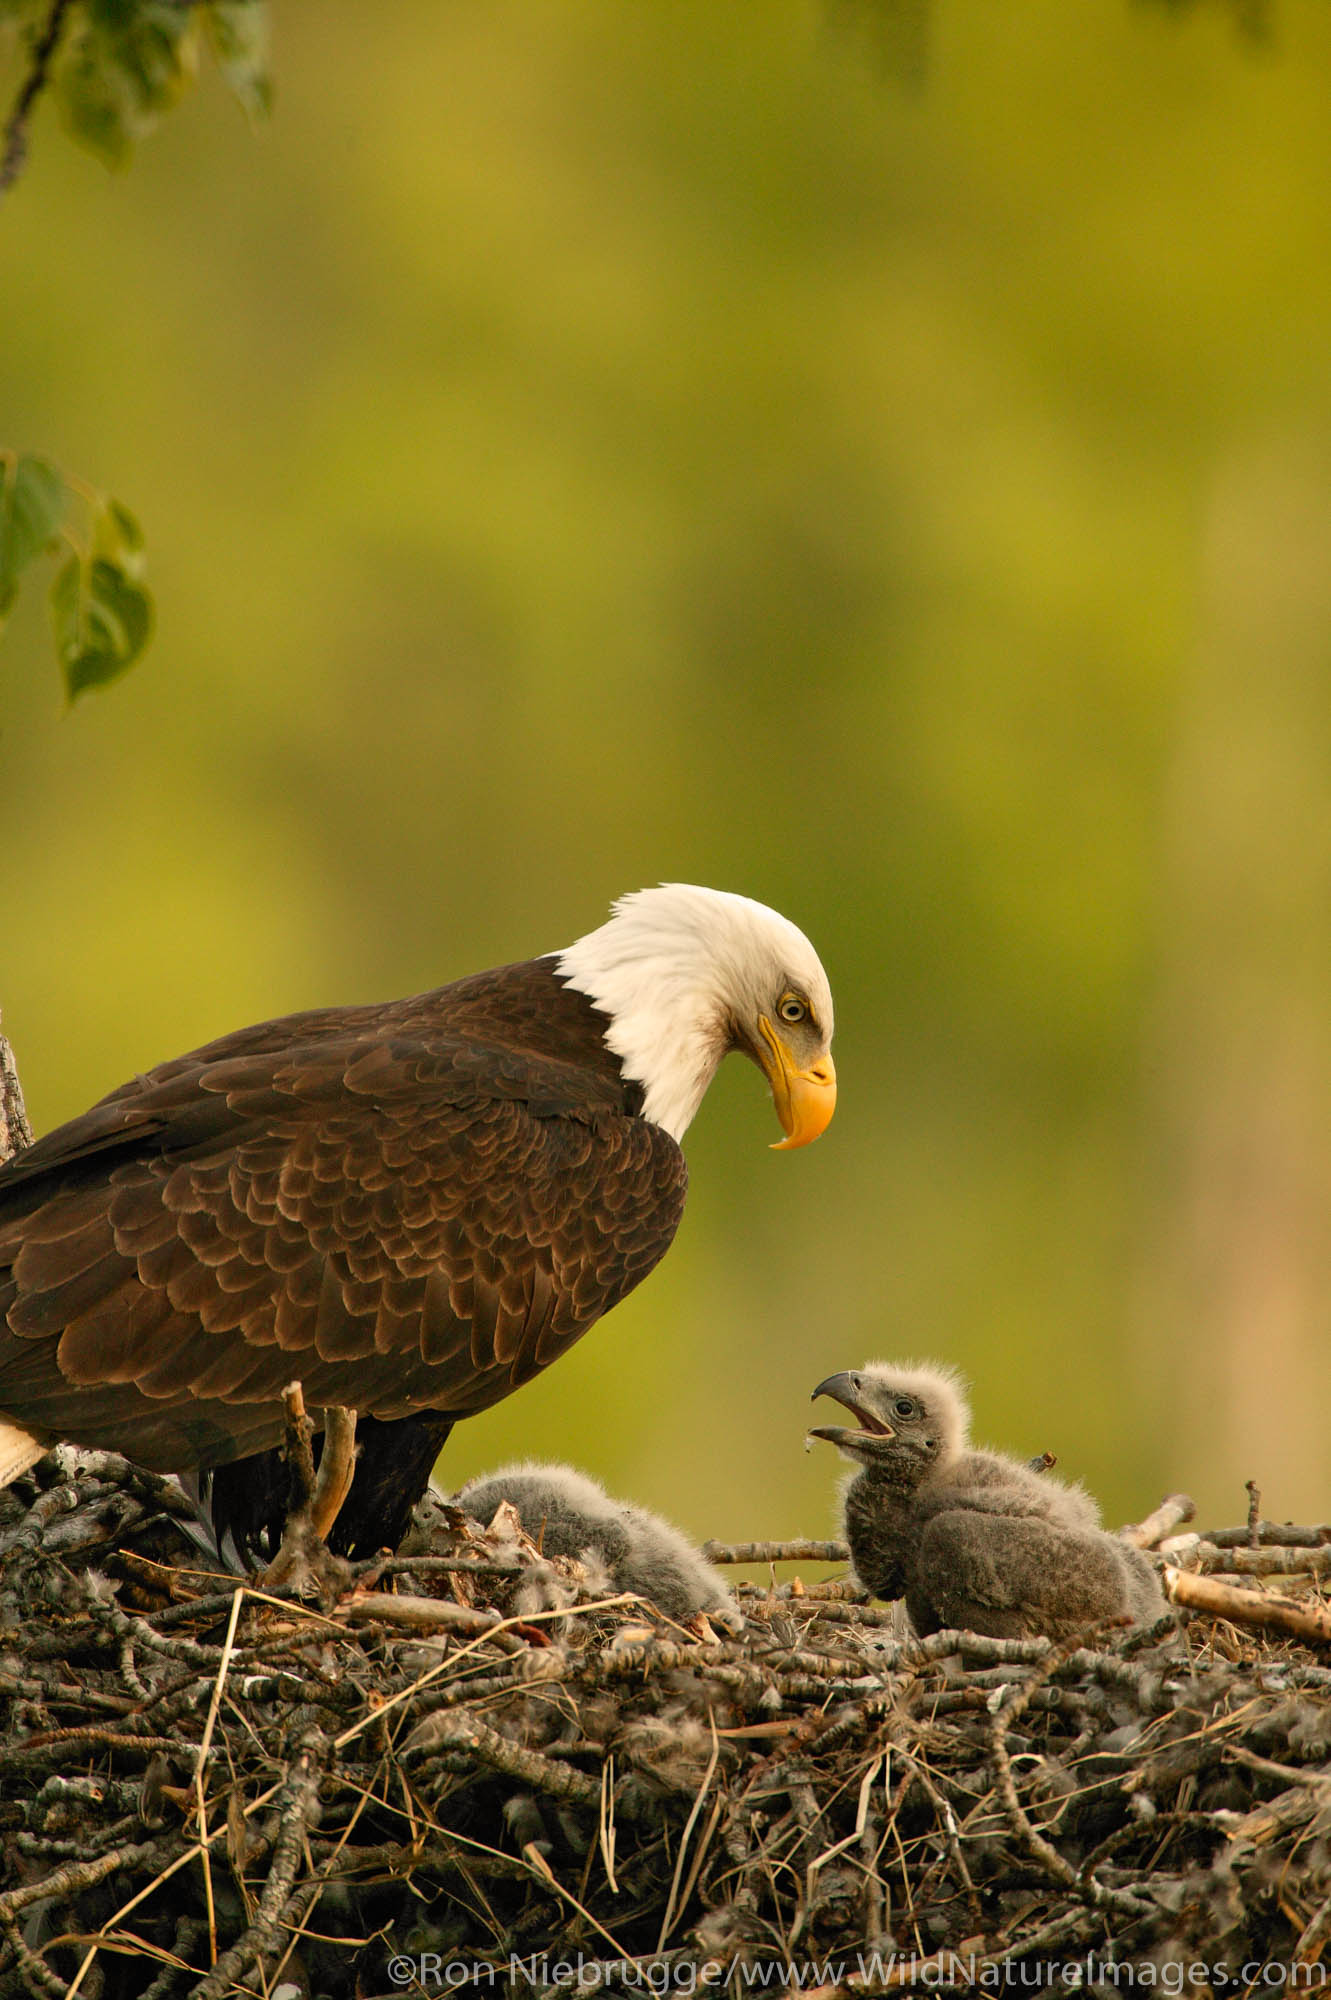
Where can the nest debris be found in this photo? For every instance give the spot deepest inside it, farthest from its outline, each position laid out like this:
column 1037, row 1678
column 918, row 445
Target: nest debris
column 467, row 1771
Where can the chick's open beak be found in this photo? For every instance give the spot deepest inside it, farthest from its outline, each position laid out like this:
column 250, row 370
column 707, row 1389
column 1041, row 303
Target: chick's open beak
column 837, row 1434
column 845, row 1389
column 805, row 1098
column 842, row 1388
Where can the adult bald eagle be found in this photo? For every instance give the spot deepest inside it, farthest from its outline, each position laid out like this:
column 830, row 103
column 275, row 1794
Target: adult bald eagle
column 411, row 1208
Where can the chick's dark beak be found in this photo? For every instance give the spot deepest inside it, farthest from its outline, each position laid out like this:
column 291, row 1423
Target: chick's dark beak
column 841, row 1388
column 845, row 1389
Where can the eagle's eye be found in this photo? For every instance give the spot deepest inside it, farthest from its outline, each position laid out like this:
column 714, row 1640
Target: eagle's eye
column 791, row 1008
column 903, row 1407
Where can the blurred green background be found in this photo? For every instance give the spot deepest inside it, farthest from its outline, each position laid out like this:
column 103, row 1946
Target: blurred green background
column 581, row 445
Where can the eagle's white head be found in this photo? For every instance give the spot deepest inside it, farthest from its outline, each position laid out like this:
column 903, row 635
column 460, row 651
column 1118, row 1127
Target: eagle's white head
column 687, row 974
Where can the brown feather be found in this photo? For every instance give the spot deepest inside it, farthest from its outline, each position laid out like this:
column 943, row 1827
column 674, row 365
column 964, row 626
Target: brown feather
column 410, row 1207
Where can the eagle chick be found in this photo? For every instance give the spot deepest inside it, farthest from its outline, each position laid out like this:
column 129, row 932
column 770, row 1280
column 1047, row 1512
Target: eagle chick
column 972, row 1539
column 567, row 1514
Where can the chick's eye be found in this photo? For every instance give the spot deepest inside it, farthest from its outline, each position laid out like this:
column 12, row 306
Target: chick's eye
column 791, row 1008
column 903, row 1407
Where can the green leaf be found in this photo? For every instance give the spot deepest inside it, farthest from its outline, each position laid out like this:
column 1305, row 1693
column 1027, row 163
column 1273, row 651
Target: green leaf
column 117, row 536
column 103, row 619
column 33, row 497
column 129, row 62
column 92, row 102
column 237, row 32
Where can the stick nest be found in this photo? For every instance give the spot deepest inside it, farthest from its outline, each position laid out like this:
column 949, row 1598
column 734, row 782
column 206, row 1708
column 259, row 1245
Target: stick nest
column 470, row 1772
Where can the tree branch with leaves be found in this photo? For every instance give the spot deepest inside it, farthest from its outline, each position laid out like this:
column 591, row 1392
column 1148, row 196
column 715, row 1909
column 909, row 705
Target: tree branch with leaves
column 113, row 68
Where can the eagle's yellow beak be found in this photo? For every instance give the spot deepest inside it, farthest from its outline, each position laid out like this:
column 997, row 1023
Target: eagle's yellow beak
column 805, row 1098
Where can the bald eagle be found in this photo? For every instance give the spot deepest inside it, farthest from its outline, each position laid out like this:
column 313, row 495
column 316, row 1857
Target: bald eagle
column 411, row 1208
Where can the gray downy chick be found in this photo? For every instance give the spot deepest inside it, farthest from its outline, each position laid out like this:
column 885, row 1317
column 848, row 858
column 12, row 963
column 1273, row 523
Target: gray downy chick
column 971, row 1538
column 568, row 1514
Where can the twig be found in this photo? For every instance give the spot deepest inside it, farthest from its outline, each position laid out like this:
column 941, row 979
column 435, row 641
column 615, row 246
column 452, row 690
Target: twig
column 605, row 1823
column 264, row 1933
column 452, row 1664
column 1313, row 1937
column 1173, row 1511
column 1207, row 1559
column 977, row 1646
column 458, row 1729
column 189, row 1932
column 776, row 1552
column 16, row 126
column 76, row 1877
column 689, row 1825
column 37, row 1974
column 1247, row 1607
column 1005, row 1712
column 452, row 1566
column 423, row 1614
column 15, row 1130
column 1285, row 1774
column 191, row 1853
column 856, row 1833
column 200, row 1796
column 542, row 1870
column 1271, row 1534
column 947, row 1820
column 1254, row 1512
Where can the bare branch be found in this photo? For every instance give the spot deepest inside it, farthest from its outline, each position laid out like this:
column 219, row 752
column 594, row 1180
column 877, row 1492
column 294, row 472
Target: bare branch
column 1252, row 1608
column 15, row 1131
column 1173, row 1511
column 15, row 148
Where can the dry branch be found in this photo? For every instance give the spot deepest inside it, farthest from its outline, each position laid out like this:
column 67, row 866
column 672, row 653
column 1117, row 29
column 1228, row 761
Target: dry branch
column 1173, row 1511
column 776, row 1552
column 1248, row 1607
column 14, row 141
column 15, row 1130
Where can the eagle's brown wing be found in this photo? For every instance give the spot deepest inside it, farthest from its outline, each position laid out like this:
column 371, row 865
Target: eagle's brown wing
column 400, row 1221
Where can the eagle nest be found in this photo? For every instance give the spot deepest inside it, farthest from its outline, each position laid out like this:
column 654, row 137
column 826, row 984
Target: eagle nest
column 468, row 1771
